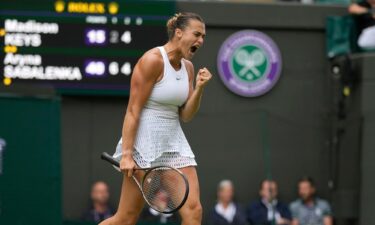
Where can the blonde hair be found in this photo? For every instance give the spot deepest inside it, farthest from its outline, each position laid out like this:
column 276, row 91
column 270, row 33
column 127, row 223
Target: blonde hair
column 180, row 21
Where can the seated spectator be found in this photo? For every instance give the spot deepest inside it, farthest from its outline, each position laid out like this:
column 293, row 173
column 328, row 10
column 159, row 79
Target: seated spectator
column 309, row 209
column 365, row 13
column 226, row 212
column 150, row 215
column 268, row 209
column 100, row 209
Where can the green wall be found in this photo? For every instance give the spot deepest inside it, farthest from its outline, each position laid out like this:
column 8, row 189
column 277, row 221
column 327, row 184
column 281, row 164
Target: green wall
column 30, row 185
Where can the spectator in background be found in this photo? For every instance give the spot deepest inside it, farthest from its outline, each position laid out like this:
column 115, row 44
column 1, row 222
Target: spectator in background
column 150, row 215
column 309, row 209
column 226, row 212
column 100, row 209
column 268, row 209
column 365, row 14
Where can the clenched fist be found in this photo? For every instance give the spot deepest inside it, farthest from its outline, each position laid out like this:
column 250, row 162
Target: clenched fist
column 203, row 77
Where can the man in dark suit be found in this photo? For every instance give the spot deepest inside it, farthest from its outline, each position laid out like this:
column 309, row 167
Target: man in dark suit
column 268, row 210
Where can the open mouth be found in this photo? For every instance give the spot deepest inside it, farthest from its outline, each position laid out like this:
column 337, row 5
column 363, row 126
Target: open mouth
column 194, row 48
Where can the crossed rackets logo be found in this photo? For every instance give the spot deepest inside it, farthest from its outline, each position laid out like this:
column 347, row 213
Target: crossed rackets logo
column 249, row 63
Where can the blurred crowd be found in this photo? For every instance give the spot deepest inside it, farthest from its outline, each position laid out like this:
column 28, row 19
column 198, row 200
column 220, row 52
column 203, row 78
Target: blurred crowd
column 268, row 209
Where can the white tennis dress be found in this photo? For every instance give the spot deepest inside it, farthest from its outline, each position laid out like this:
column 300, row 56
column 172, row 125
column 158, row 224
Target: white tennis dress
column 160, row 139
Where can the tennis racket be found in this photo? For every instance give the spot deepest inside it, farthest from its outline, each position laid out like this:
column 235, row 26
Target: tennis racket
column 164, row 188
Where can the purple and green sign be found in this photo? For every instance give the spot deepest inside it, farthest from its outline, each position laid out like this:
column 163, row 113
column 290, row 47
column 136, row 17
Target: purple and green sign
column 249, row 63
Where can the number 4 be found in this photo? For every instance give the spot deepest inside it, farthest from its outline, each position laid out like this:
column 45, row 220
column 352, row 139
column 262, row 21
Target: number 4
column 126, row 69
column 126, row 37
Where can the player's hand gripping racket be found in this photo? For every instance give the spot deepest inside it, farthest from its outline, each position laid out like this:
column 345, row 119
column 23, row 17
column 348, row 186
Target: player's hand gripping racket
column 164, row 188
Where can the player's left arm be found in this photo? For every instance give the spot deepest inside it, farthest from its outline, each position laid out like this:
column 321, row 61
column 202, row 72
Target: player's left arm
column 190, row 108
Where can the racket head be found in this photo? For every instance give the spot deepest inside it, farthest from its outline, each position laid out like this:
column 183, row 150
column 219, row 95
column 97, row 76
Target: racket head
column 165, row 189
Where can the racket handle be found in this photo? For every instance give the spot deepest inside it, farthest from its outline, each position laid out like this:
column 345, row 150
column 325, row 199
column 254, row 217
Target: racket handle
column 107, row 157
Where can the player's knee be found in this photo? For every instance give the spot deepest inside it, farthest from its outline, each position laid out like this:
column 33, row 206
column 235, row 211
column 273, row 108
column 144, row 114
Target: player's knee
column 195, row 209
column 198, row 211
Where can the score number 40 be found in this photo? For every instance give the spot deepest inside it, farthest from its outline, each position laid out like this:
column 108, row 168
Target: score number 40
column 98, row 68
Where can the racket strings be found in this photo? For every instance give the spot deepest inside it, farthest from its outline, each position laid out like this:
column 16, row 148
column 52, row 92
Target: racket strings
column 164, row 189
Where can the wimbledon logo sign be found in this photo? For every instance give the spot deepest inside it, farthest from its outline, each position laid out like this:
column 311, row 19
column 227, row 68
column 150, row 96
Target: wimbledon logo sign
column 249, row 63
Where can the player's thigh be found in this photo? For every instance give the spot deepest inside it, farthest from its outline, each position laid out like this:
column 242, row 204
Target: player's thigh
column 131, row 200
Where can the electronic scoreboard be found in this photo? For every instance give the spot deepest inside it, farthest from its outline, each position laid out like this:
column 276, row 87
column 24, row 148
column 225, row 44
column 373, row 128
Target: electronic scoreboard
column 78, row 47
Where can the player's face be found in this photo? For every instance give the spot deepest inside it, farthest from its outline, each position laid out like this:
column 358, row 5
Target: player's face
column 191, row 38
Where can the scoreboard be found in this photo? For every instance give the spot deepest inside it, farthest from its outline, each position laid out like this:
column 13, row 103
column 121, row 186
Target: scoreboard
column 78, row 47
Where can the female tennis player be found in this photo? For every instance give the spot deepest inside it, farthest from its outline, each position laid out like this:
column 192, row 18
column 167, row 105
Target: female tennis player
column 162, row 93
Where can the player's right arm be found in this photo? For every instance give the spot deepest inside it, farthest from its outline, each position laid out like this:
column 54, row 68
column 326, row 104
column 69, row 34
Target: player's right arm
column 145, row 75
